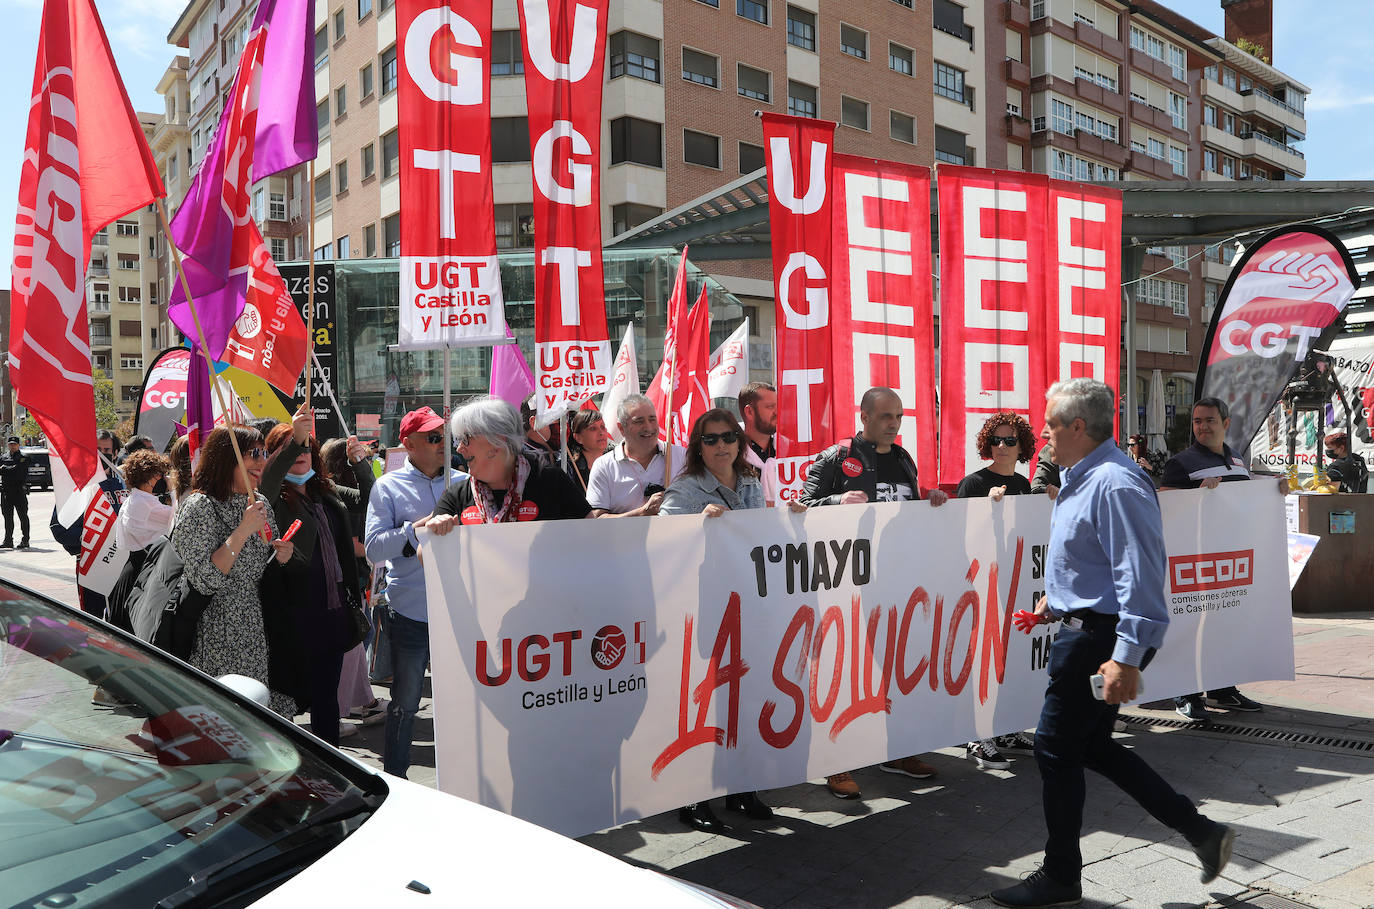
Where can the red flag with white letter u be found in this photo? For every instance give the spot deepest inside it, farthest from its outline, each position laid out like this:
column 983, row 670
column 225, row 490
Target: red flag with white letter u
column 86, row 163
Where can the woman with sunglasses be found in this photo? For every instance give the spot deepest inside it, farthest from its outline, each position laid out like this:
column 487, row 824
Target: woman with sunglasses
column 219, row 537
column 1005, row 439
column 715, row 479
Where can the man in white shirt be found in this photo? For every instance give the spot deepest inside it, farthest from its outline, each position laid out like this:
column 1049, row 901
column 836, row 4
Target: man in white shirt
column 758, row 417
column 628, row 481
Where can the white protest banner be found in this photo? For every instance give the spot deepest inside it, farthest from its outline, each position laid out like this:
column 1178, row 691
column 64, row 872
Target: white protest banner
column 763, row 648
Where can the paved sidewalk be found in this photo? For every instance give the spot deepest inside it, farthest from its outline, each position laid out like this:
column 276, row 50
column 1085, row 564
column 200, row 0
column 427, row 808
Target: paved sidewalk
column 1303, row 809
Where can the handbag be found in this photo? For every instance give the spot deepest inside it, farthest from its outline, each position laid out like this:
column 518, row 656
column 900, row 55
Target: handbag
column 163, row 608
column 358, row 627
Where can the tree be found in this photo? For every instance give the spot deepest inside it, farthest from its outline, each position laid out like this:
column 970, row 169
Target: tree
column 29, row 430
column 1253, row 48
column 106, row 416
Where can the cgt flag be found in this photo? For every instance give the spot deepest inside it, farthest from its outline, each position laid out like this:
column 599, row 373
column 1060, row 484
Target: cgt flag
column 86, row 163
column 1284, row 298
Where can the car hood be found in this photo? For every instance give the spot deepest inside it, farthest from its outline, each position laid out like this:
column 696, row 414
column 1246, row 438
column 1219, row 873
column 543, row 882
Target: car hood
column 466, row 854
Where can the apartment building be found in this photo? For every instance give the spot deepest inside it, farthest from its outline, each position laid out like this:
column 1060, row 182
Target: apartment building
column 171, row 146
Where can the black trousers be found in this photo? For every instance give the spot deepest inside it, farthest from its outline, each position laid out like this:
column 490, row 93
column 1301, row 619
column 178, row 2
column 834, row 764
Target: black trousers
column 1075, row 732
column 10, row 502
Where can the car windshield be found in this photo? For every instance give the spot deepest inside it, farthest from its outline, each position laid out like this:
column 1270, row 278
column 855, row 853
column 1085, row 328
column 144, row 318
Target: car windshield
column 122, row 806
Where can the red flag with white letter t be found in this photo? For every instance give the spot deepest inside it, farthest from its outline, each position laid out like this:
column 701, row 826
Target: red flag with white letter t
column 564, row 44
column 86, row 163
column 450, row 281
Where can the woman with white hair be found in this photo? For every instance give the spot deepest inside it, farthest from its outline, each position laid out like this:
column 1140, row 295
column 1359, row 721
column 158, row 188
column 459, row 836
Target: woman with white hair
column 505, row 483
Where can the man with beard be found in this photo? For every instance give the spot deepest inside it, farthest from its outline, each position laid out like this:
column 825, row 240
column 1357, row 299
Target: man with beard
column 758, row 417
column 628, row 481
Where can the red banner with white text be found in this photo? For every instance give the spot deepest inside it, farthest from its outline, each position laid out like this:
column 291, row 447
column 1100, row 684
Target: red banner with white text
column 450, row 281
column 564, row 45
column 799, row 157
column 881, row 305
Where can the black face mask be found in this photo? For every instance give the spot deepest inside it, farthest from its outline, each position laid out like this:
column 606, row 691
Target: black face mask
column 1330, row 453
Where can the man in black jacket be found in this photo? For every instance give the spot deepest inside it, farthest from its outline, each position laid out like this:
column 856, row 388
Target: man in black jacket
column 871, row 467
column 14, row 496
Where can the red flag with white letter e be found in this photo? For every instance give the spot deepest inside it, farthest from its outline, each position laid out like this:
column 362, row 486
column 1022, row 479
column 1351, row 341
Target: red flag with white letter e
column 86, row 163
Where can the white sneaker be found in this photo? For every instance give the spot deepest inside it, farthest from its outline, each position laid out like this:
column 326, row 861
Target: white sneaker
column 986, row 755
column 370, row 715
column 346, row 730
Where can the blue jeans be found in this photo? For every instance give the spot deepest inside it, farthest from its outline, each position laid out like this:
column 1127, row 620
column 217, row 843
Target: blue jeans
column 409, row 659
column 1075, row 732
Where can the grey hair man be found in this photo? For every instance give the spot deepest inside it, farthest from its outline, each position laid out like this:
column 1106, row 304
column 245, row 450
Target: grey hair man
column 1107, row 585
column 629, row 481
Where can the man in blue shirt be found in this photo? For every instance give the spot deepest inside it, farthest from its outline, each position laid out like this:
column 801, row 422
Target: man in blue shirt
column 402, row 501
column 1105, row 580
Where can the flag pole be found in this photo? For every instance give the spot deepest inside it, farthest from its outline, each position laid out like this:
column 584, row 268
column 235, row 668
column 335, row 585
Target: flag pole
column 448, row 412
column 310, row 300
column 200, row 338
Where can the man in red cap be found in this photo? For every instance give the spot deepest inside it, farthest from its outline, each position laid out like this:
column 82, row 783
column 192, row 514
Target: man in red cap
column 402, row 501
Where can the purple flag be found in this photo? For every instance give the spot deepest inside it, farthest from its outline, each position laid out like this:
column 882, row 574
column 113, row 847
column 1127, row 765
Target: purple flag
column 272, row 102
column 511, row 378
column 200, row 410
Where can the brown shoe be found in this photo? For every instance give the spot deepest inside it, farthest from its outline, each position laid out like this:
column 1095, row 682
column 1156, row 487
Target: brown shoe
column 842, row 786
column 910, row 766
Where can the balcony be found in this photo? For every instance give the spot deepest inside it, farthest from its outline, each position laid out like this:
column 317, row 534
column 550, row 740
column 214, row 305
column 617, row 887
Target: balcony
column 1017, row 73
column 960, row 30
column 1274, row 152
column 1016, row 15
column 1015, row 127
column 1217, row 137
column 1215, row 271
column 98, row 308
column 1215, row 91
column 1156, row 119
column 1260, row 102
column 98, row 270
column 1157, row 69
column 100, row 339
column 1099, row 95
column 1089, row 36
column 1156, row 168
column 101, row 238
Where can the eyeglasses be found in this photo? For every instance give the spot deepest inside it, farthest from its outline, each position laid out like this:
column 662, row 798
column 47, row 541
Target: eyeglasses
column 256, row 454
column 1008, row 441
column 729, row 437
column 434, row 438
column 462, row 441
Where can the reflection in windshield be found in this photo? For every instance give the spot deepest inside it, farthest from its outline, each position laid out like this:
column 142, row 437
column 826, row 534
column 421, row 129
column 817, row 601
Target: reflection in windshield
column 185, row 778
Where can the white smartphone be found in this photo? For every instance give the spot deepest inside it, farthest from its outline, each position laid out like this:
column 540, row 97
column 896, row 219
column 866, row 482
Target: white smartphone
column 1099, row 686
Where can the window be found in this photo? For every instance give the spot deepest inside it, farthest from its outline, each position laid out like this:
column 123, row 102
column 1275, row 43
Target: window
column 951, row 147
column 750, row 157
column 507, row 56
column 1228, row 169
column 628, row 215
column 1083, row 169
column 338, row 25
column 700, row 68
column 130, row 363
column 322, row 118
column 636, row 141
column 753, row 83
column 128, row 262
column 712, row 3
column 1061, row 117
column 1209, row 115
column 388, row 59
column 949, row 82
column 369, row 160
column 902, row 127
column 949, row 18
column 801, row 99
column 370, row 240
column 1177, row 63
column 1037, row 9
column 700, row 148
column 130, row 328
column 899, row 59
column 1178, row 110
column 510, row 139
column 341, row 179
column 1210, row 72
column 321, row 48
column 1209, row 296
column 1228, row 78
column 853, row 41
column 298, row 244
column 1178, row 157
column 277, row 246
column 634, row 55
column 1085, row 122
column 854, row 113
column 101, row 292
column 324, row 184
column 341, row 246
column 515, row 226
column 126, row 228
column 130, row 294
column 1228, row 122
column 340, row 102
column 1156, row 149
column 391, row 235
column 1061, row 167
column 277, row 207
column 364, row 7
column 801, row 28
column 129, row 393
column 391, row 152
column 752, row 9
column 1209, row 161
column 1178, row 298
column 365, row 81
column 1107, row 79
column 322, row 254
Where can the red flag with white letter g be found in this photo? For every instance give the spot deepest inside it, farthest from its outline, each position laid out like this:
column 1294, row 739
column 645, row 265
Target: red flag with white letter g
column 450, row 281
column 86, row 163
column 799, row 201
column 565, row 43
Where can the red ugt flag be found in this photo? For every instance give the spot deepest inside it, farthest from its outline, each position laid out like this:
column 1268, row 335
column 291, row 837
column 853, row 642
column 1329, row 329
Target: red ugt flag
column 86, row 163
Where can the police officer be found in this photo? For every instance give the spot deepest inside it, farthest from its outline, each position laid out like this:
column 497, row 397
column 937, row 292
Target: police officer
column 14, row 475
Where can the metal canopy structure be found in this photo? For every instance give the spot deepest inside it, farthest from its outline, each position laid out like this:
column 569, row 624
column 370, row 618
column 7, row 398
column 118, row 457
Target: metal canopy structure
column 732, row 222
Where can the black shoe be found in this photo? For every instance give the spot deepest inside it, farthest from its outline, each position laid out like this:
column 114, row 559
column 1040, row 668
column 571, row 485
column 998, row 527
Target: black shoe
column 748, row 804
column 24, row 544
column 1234, row 700
column 1214, row 851
column 1192, row 709
column 699, row 816
column 1039, row 889
column 8, row 544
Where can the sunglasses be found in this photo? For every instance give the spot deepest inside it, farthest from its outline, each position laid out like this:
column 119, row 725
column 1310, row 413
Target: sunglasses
column 257, row 454
column 434, row 438
column 1008, row 441
column 729, row 437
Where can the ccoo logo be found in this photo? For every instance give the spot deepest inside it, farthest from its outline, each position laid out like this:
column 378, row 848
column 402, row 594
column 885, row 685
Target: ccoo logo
column 1211, row 571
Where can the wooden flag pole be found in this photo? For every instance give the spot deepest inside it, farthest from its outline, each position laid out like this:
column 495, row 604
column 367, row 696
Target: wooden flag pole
column 200, row 337
column 310, row 301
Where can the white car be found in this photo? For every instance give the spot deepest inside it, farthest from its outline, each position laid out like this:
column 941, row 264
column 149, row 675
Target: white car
column 196, row 795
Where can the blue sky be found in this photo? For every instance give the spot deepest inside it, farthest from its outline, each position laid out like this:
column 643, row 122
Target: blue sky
column 1323, row 45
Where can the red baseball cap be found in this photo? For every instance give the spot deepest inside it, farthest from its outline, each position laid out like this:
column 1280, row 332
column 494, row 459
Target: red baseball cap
column 422, row 420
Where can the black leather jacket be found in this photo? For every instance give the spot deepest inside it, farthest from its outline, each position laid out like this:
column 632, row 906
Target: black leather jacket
column 826, row 481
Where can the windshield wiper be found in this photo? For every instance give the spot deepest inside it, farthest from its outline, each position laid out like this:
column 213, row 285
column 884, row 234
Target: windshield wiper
column 239, row 871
